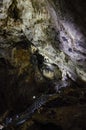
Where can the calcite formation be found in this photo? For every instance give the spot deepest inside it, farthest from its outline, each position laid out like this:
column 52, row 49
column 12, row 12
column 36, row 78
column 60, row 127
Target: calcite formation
column 51, row 30
column 42, row 49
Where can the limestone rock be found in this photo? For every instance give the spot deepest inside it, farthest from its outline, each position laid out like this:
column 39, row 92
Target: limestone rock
column 42, row 49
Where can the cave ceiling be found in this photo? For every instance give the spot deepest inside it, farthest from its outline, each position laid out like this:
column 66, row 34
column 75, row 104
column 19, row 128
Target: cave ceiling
column 42, row 47
column 52, row 30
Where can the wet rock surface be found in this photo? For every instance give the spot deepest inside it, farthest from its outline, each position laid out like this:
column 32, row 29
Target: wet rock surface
column 43, row 51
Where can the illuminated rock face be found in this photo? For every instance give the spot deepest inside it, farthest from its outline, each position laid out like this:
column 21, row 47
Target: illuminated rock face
column 71, row 35
column 42, row 49
column 51, row 29
column 41, row 42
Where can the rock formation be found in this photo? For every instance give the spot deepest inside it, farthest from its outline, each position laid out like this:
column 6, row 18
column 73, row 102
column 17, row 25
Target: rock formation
column 42, row 49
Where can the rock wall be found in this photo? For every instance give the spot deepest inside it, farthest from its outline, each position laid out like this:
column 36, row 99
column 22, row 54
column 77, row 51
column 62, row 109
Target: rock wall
column 42, row 48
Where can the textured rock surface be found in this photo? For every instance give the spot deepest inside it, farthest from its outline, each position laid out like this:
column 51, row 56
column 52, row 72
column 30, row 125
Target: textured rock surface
column 51, row 29
column 42, row 48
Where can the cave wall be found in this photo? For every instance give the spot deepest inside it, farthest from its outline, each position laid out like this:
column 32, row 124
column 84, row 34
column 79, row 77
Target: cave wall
column 46, row 26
